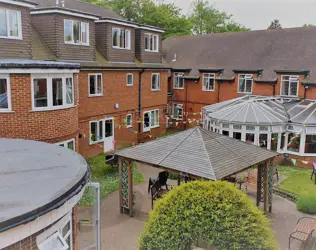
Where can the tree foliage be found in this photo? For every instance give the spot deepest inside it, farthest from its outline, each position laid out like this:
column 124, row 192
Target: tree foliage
column 214, row 212
column 275, row 24
column 205, row 18
column 308, row 25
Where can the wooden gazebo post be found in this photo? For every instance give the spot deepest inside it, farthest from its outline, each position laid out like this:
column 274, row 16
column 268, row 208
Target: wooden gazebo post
column 126, row 186
column 265, row 185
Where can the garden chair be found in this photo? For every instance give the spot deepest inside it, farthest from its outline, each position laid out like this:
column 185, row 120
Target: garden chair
column 161, row 180
column 304, row 229
column 112, row 160
column 314, row 171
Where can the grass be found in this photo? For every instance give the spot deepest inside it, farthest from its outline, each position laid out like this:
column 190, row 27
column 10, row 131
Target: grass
column 107, row 177
column 297, row 181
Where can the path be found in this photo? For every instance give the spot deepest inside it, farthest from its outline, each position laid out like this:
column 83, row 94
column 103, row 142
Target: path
column 120, row 232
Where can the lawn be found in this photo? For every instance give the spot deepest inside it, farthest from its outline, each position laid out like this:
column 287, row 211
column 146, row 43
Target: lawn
column 107, row 177
column 297, row 181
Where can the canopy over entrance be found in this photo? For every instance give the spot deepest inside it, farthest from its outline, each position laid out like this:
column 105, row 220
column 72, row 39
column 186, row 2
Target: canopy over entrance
column 198, row 153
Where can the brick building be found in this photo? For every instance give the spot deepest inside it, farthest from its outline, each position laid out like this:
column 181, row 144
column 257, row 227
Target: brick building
column 79, row 75
column 212, row 68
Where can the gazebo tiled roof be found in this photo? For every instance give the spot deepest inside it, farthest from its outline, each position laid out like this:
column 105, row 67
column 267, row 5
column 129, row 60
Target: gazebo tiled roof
column 199, row 153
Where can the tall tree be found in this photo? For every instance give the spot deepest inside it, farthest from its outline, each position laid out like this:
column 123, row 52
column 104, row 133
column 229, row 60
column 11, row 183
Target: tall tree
column 205, row 18
column 275, row 24
column 308, row 25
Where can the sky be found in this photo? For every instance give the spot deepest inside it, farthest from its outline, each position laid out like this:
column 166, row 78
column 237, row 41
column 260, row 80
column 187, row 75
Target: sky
column 258, row 14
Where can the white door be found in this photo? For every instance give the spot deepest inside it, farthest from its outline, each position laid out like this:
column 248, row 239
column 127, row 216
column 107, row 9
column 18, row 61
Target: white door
column 108, row 134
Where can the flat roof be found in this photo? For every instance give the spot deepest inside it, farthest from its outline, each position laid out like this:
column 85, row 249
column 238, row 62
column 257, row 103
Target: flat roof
column 35, row 178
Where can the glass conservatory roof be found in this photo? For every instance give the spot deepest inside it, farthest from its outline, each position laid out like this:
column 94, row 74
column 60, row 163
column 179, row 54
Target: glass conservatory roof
column 260, row 110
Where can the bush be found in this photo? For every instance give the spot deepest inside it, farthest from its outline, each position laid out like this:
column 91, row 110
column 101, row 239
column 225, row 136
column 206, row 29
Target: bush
column 214, row 212
column 306, row 204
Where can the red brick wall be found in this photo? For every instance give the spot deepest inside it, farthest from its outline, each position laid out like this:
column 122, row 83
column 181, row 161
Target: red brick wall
column 115, row 91
column 23, row 123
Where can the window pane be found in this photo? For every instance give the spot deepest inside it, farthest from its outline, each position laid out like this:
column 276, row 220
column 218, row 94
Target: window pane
column 294, row 141
column 115, row 38
column 99, row 84
column 100, row 135
column 84, row 32
column 129, row 120
column 151, row 42
column 274, row 141
column 14, row 23
column 71, row 145
column 69, row 91
column 3, row 94
column 92, row 84
column 152, row 118
column 237, row 135
column 108, row 128
column 293, row 90
column 241, row 84
column 40, row 92
column 3, row 23
column 93, row 131
column 248, row 86
column 127, row 39
column 76, row 31
column 129, row 79
column 263, row 140
column 310, row 144
column 57, row 92
column 66, row 228
column 68, row 31
column 157, row 118
column 122, row 39
column 146, row 120
column 250, row 138
column 146, row 42
column 154, row 82
column 155, row 43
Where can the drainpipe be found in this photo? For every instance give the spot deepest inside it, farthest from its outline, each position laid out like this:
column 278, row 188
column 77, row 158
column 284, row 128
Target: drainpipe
column 273, row 84
column 219, row 86
column 185, row 104
column 140, row 97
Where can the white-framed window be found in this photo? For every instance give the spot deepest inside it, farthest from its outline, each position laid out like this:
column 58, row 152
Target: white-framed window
column 96, row 131
column 52, row 91
column 151, row 119
column 71, row 144
column 289, row 85
column 66, row 233
column 129, row 79
column 95, row 85
column 55, row 241
column 178, row 111
column 129, row 121
column 245, row 83
column 121, row 38
column 76, row 32
column 178, row 80
column 155, row 82
column 208, row 82
column 10, row 24
column 151, row 42
column 5, row 93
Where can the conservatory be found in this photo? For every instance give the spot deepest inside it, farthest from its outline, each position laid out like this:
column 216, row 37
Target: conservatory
column 285, row 125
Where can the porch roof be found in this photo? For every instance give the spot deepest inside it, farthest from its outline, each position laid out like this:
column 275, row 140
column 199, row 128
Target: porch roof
column 199, row 153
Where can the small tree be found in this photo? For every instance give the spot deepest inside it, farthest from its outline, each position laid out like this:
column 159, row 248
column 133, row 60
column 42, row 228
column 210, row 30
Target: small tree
column 213, row 212
column 275, row 24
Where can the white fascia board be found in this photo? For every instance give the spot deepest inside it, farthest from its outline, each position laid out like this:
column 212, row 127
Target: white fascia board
column 65, row 12
column 42, row 71
column 118, row 22
column 151, row 29
column 23, row 4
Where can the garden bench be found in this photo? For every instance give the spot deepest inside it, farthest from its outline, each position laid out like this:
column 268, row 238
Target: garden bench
column 112, row 160
column 305, row 227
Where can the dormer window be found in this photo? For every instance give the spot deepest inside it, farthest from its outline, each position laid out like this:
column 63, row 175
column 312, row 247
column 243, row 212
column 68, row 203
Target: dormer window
column 10, row 24
column 121, row 38
column 245, row 84
column 76, row 32
column 289, row 85
column 151, row 42
column 178, row 81
column 208, row 82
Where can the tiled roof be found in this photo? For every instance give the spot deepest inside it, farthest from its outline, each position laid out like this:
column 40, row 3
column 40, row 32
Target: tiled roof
column 200, row 153
column 81, row 6
column 292, row 50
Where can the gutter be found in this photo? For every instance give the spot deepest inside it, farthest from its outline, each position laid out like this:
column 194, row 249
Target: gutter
column 60, row 201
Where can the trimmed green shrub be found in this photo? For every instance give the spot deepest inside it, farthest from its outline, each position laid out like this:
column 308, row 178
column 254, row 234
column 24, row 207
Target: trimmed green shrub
column 306, row 204
column 214, row 212
column 173, row 176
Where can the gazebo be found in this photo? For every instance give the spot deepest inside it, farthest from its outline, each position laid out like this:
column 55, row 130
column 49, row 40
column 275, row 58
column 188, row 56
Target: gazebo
column 199, row 154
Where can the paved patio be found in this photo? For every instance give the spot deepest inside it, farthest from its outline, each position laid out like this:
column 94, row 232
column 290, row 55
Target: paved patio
column 120, row 232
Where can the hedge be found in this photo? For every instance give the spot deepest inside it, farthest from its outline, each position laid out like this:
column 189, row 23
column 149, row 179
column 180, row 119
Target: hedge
column 214, row 212
column 306, row 204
